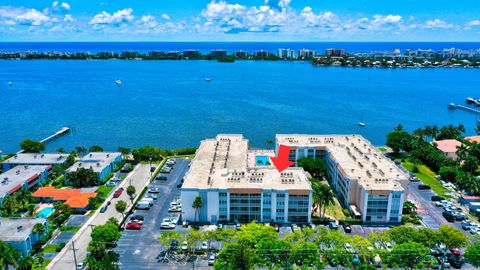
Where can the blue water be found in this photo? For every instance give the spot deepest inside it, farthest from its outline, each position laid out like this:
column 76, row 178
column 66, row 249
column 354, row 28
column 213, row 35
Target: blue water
column 45, row 212
column 206, row 47
column 262, row 160
column 169, row 104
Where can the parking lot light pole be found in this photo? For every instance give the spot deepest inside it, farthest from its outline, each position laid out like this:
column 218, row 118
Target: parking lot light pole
column 151, row 173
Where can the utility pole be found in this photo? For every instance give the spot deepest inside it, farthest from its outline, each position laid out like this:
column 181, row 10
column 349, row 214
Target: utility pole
column 74, row 254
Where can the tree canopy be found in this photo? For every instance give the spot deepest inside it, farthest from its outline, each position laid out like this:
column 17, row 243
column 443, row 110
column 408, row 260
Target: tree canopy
column 30, row 146
column 83, row 177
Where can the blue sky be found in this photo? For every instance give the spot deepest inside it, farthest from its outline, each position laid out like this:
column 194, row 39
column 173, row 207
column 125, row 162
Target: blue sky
column 240, row 20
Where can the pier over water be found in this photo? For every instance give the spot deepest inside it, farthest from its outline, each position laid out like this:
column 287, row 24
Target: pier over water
column 452, row 106
column 61, row 132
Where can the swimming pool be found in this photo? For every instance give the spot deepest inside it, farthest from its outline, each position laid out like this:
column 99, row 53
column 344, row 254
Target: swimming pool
column 262, row 161
column 45, row 212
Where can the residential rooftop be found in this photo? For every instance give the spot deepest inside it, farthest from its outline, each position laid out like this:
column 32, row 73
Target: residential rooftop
column 37, row 159
column 13, row 179
column 17, row 229
column 448, row 146
column 222, row 163
column 95, row 160
column 74, row 198
column 357, row 158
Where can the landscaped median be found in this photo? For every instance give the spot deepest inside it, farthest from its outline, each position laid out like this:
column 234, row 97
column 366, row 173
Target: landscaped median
column 427, row 177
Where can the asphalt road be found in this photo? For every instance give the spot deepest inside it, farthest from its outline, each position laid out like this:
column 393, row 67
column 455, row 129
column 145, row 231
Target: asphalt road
column 141, row 249
column 139, row 177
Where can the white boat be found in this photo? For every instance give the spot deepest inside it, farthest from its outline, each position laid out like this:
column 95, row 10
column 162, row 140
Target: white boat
column 118, row 82
column 208, row 79
column 361, row 124
column 470, row 100
column 10, row 83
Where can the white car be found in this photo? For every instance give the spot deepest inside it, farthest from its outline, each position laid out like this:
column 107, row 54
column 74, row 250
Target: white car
column 438, row 204
column 388, row 246
column 211, row 260
column 204, row 245
column 184, row 246
column 348, row 247
column 474, row 230
column 167, row 225
column 295, row 227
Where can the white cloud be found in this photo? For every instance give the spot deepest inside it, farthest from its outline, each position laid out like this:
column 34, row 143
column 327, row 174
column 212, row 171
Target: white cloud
column 117, row 18
column 19, row 15
column 165, row 16
column 68, row 18
column 55, row 4
column 473, row 23
column 436, row 23
column 388, row 19
column 65, row 6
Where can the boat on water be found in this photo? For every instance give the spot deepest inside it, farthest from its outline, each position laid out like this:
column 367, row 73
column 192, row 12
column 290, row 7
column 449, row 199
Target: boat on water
column 362, row 124
column 10, row 83
column 118, row 82
column 207, row 79
column 470, row 100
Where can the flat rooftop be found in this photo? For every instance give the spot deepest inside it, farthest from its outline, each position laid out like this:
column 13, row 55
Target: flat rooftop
column 17, row 229
column 222, row 163
column 95, row 160
column 357, row 158
column 37, row 159
column 13, row 179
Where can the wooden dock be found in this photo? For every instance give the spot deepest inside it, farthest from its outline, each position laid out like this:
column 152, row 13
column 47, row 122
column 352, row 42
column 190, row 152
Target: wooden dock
column 61, row 132
column 452, row 106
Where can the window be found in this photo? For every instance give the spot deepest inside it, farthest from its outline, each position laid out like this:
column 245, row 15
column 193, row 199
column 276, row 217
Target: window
column 280, row 195
column 280, row 210
column 396, row 196
column 222, row 194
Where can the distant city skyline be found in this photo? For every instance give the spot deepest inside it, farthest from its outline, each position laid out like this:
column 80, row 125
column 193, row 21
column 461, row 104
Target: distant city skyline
column 239, row 20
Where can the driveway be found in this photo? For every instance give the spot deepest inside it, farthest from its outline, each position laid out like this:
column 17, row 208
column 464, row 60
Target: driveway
column 141, row 249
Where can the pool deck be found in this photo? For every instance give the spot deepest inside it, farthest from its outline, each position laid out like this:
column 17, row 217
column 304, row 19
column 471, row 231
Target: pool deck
column 252, row 154
column 41, row 207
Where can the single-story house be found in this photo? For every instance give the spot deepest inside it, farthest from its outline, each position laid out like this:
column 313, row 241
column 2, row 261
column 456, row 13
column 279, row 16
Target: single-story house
column 78, row 200
column 19, row 232
column 448, row 147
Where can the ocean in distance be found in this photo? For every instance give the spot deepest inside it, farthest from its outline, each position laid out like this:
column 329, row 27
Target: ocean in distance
column 169, row 104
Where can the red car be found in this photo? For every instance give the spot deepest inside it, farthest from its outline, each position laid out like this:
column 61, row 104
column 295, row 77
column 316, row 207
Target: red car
column 117, row 193
column 133, row 226
column 455, row 251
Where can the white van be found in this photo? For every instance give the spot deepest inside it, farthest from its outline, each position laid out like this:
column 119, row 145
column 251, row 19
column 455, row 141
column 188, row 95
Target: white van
column 143, row 205
column 149, row 200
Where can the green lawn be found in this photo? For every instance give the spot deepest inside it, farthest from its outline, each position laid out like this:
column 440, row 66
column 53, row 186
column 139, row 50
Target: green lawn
column 103, row 191
column 427, row 177
column 335, row 211
column 42, row 266
column 50, row 248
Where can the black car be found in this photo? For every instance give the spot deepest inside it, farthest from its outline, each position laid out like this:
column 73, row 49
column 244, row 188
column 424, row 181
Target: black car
column 103, row 209
column 179, row 185
column 333, row 226
column 437, row 198
column 136, row 217
column 449, row 216
column 153, row 168
column 161, row 178
column 347, row 228
column 455, row 261
column 424, row 187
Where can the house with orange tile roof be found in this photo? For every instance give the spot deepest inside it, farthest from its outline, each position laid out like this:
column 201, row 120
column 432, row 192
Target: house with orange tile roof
column 78, row 200
column 448, row 147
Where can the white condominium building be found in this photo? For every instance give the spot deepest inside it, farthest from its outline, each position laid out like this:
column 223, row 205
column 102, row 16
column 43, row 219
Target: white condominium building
column 238, row 184
column 367, row 183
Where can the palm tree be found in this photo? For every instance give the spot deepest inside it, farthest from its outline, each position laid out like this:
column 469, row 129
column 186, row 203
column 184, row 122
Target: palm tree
column 39, row 229
column 8, row 255
column 80, row 150
column 328, row 198
column 25, row 263
column 317, row 196
column 462, row 151
column 197, row 204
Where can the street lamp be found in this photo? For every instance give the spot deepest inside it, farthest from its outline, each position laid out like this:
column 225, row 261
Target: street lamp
column 151, row 173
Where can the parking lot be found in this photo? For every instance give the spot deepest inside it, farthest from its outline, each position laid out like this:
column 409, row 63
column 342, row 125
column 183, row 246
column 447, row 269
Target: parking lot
column 140, row 249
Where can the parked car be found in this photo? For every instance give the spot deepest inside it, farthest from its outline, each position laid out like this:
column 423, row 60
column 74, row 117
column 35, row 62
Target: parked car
column 117, row 193
column 136, row 218
column 80, row 266
column 455, row 251
column 455, row 261
column 204, row 245
column 424, row 187
column 184, row 245
column 211, row 260
column 448, row 216
column 356, row 260
column 295, row 228
column 143, row 205
column 161, row 178
column 153, row 190
column 103, row 209
column 167, row 225
column 437, row 198
column 151, row 196
column 166, row 169
column 179, row 185
column 388, row 246
column 467, row 225
column 347, row 228
column 133, row 226
column 333, row 225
